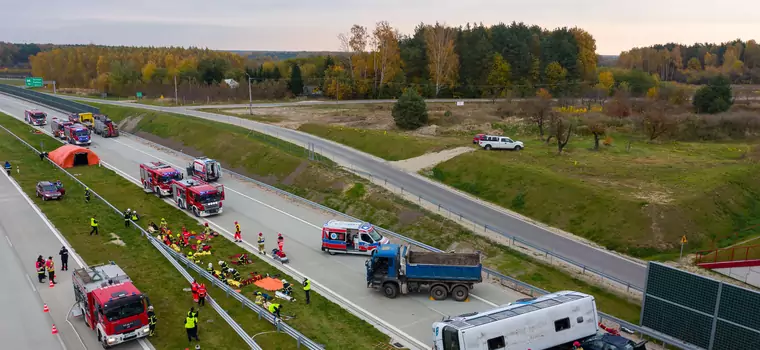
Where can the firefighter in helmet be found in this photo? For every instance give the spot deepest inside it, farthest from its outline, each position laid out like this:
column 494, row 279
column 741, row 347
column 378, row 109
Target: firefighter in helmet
column 261, row 243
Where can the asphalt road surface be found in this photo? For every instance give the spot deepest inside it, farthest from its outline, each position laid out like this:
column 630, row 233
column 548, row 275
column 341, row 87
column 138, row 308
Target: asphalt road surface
column 258, row 210
column 609, row 263
column 23, row 324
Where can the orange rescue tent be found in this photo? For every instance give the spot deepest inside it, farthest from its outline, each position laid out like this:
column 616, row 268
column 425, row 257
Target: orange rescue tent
column 68, row 156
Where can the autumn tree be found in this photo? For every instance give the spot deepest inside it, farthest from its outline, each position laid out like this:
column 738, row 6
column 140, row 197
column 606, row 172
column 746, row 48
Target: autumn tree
column 561, row 127
column 539, row 110
column 555, row 76
column 586, row 53
column 410, row 111
column 597, row 126
column 694, row 64
column 337, row 83
column 656, row 121
column 147, row 72
column 620, row 106
column 386, row 57
column 498, row 76
column 443, row 61
column 607, row 80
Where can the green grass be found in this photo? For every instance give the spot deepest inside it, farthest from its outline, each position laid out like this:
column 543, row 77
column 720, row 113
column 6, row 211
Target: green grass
column 15, row 82
column 387, row 144
column 639, row 202
column 344, row 330
column 344, row 192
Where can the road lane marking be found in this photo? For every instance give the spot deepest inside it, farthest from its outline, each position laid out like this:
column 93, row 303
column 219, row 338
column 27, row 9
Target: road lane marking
column 9, row 241
column 29, row 279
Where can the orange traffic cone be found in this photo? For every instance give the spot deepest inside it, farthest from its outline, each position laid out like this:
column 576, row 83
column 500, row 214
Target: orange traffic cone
column 55, row 330
column 52, row 284
column 45, row 308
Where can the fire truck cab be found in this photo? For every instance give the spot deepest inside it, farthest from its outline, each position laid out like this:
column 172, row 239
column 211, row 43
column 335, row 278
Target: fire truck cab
column 58, row 127
column 157, row 177
column 207, row 169
column 77, row 134
column 110, row 304
column 350, row 237
column 35, row 117
column 202, row 198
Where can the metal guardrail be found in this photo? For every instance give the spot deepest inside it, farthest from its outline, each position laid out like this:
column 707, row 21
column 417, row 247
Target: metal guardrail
column 63, row 104
column 235, row 326
column 510, row 281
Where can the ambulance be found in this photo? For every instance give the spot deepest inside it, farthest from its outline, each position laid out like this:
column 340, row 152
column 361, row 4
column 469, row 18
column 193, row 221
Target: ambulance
column 350, row 238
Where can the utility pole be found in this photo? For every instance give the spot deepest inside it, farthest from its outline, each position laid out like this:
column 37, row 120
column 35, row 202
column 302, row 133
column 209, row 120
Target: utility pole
column 250, row 96
column 176, row 100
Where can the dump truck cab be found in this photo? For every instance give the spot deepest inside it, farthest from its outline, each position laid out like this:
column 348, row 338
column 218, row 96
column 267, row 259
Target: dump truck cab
column 85, row 119
column 110, row 304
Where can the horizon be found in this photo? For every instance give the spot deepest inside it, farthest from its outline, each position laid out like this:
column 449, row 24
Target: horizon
column 229, row 25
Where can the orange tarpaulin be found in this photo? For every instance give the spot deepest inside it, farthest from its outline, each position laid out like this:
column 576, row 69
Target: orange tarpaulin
column 68, row 156
column 269, row 283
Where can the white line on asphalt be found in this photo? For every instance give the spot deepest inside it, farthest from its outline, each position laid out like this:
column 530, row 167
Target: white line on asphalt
column 29, row 279
column 9, row 241
column 72, row 326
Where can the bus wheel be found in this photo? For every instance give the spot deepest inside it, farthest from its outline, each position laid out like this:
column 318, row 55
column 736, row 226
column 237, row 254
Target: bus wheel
column 439, row 292
column 460, row 293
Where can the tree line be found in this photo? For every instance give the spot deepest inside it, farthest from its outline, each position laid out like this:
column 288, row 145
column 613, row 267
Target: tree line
column 698, row 63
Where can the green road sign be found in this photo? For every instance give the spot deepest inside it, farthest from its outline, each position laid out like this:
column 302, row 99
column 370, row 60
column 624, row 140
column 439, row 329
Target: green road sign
column 34, row 82
column 139, row 95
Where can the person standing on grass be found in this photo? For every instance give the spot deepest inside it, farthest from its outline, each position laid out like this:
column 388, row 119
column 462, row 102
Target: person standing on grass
column 64, row 253
column 191, row 328
column 307, row 289
column 127, row 215
column 202, row 295
column 8, row 167
column 152, row 320
column 94, row 225
column 87, row 194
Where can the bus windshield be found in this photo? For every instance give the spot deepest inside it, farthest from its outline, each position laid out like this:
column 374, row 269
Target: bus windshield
column 124, row 309
column 450, row 338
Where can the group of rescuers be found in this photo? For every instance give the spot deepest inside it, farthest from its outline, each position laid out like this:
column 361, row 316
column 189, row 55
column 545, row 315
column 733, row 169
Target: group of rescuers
column 199, row 290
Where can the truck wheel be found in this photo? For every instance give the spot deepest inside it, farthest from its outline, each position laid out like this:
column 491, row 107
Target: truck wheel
column 460, row 293
column 488, row 147
column 439, row 292
column 390, row 290
column 518, row 148
column 196, row 212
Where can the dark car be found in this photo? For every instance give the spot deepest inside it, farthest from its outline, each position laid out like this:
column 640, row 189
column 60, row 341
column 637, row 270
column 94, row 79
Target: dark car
column 48, row 190
column 611, row 342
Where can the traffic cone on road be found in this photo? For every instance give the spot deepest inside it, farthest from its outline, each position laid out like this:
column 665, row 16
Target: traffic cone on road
column 51, row 284
column 55, row 330
column 45, row 308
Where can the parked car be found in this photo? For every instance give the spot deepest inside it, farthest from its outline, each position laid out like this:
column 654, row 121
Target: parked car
column 477, row 138
column 611, row 342
column 48, row 190
column 500, row 142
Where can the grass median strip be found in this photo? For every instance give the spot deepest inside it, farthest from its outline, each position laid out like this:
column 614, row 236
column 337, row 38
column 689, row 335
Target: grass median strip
column 333, row 187
column 342, row 331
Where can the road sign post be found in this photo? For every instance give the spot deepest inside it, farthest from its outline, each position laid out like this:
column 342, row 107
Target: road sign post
column 683, row 241
column 34, row 82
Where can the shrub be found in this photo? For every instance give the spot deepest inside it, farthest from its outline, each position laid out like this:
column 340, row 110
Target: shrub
column 410, row 111
column 715, row 97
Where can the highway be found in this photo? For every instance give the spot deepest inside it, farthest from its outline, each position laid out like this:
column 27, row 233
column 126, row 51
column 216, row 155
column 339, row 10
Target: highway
column 23, row 324
column 257, row 210
column 621, row 267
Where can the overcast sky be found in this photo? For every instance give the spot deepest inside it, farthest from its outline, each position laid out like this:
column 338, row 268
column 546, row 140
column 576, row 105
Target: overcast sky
column 313, row 25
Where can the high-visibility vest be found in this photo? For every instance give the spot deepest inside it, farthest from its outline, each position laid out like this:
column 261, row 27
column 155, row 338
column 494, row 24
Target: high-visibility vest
column 261, row 239
column 134, row 217
column 273, row 307
column 307, row 285
column 202, row 291
column 237, row 228
column 189, row 322
column 50, row 265
column 93, row 222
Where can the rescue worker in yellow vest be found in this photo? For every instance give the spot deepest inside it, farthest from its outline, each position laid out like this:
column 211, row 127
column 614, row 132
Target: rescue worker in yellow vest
column 207, row 230
column 163, row 223
column 261, row 243
column 127, row 216
column 275, row 308
column 223, row 265
column 87, row 194
column 259, row 299
column 93, row 225
column 152, row 321
column 191, row 326
column 242, row 259
column 235, row 274
column 210, row 268
column 135, row 217
column 307, row 289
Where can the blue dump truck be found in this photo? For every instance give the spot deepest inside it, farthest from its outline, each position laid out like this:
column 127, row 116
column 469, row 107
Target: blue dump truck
column 397, row 269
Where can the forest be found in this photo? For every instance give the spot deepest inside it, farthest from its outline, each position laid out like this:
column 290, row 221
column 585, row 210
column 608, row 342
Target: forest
column 698, row 63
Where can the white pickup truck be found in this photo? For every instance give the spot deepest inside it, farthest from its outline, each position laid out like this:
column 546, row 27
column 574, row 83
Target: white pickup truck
column 489, row 142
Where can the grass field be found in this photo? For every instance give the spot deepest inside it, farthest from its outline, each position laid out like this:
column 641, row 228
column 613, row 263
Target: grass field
column 286, row 166
column 387, row 144
column 15, row 82
column 639, row 202
column 344, row 331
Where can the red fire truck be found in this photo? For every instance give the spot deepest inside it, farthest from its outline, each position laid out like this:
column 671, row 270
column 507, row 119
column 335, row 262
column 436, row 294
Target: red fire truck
column 110, row 304
column 77, row 134
column 194, row 194
column 35, row 117
column 58, row 126
column 157, row 177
